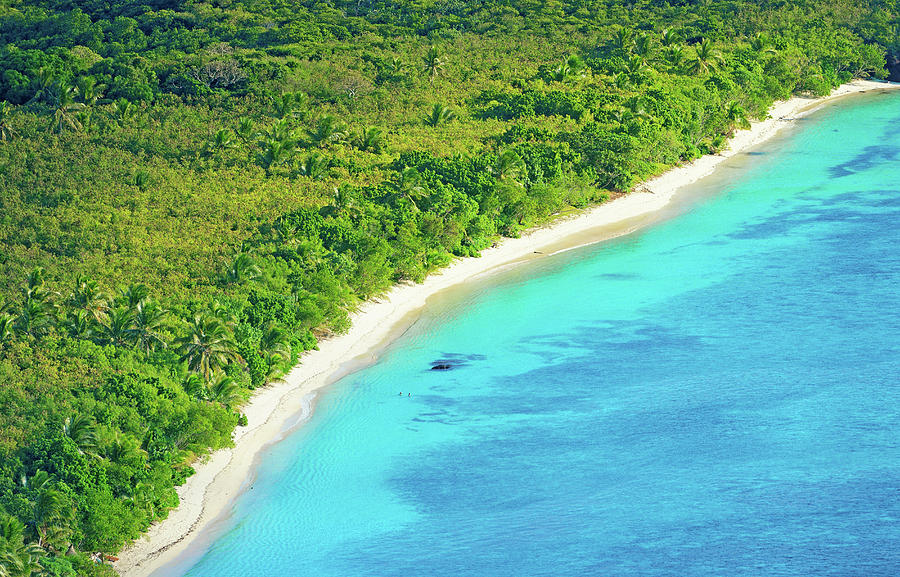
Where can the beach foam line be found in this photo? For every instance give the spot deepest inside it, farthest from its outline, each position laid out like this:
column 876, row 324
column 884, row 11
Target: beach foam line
column 276, row 409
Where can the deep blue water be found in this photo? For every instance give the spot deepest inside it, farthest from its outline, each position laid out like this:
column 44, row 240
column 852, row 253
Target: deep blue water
column 714, row 396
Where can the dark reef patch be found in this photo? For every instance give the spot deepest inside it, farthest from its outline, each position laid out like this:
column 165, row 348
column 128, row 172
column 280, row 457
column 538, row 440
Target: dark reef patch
column 455, row 360
column 870, row 157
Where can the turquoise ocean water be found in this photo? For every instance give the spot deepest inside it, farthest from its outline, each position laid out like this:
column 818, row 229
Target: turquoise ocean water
column 715, row 395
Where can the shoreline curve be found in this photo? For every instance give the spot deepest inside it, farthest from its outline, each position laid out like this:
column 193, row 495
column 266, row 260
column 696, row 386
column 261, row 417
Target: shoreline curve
column 272, row 411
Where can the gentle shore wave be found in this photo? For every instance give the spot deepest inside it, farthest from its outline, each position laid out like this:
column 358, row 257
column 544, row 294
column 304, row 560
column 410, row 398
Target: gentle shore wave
column 276, row 409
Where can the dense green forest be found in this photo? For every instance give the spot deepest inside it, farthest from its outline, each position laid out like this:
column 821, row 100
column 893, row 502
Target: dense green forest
column 193, row 193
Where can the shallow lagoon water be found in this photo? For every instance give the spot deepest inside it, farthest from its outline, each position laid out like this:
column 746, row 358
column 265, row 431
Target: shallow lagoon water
column 715, row 395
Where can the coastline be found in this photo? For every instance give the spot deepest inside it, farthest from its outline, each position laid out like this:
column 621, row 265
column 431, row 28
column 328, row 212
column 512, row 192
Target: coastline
column 273, row 410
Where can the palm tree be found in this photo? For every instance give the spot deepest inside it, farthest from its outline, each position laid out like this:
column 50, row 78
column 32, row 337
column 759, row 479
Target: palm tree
column 36, row 482
column 83, row 431
column 635, row 67
column 127, row 450
column 762, row 44
column 275, row 152
column 280, row 131
column 623, row 40
column 707, row 58
column 45, row 85
column 675, row 58
column 291, row 104
column 636, row 109
column 409, row 187
column 439, row 115
column 274, row 367
column 122, row 111
column 622, row 81
column 7, row 320
column 277, row 145
column 737, row 115
column 149, row 321
column 141, row 179
column 301, row 103
column 88, row 297
column 631, row 113
column 274, row 341
column 575, row 63
column 207, row 346
column 395, row 69
column 50, row 510
column 561, row 73
column 34, row 318
column 50, row 514
column 329, row 130
column 79, row 324
column 34, row 285
column 343, row 201
column 509, row 168
column 224, row 314
column 65, row 109
column 89, row 90
column 142, row 497
column 17, row 558
column 133, row 295
column 571, row 66
column 643, row 46
column 245, row 129
column 7, row 132
column 222, row 139
column 86, row 119
column 314, row 166
column 193, row 386
column 7, row 326
column 369, row 140
column 670, row 37
column 225, row 391
column 36, row 314
column 433, row 63
column 117, row 328
column 243, row 269
column 284, row 105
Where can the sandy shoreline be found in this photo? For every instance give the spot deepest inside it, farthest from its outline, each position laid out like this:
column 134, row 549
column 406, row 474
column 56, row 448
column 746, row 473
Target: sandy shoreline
column 208, row 493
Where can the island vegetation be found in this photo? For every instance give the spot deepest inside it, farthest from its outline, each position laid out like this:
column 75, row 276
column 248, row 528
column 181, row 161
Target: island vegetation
column 193, row 193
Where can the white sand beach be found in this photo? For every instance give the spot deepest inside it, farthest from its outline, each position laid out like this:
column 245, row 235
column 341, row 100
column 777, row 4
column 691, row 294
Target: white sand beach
column 209, row 493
